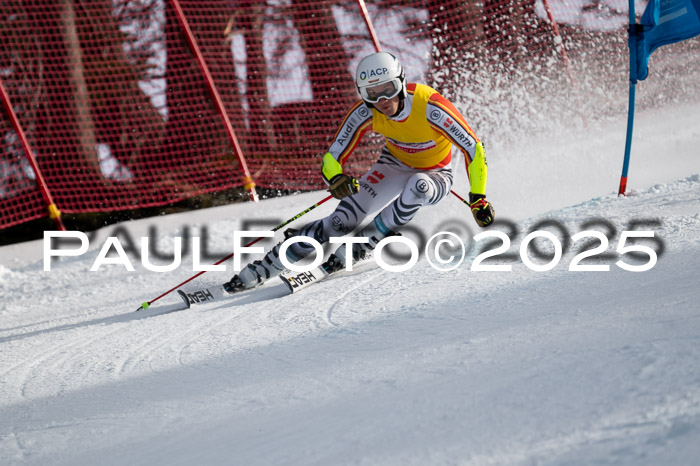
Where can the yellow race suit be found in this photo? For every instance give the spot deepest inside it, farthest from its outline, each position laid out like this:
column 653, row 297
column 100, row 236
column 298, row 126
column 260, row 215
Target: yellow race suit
column 421, row 136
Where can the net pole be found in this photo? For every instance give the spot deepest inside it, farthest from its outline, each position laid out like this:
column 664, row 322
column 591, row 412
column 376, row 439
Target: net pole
column 248, row 182
column 368, row 23
column 53, row 211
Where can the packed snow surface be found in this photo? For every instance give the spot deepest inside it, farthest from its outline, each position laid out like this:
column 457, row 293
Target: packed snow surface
column 378, row 367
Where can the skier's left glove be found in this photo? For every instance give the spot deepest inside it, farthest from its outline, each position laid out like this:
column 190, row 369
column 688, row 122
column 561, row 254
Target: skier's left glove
column 481, row 209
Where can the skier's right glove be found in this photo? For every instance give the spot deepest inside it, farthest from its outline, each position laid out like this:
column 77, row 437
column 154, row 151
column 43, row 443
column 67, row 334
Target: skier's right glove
column 481, row 209
column 339, row 184
column 343, row 186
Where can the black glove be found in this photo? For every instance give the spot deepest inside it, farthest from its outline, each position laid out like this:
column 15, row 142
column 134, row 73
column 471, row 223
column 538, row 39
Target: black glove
column 481, row 209
column 343, row 186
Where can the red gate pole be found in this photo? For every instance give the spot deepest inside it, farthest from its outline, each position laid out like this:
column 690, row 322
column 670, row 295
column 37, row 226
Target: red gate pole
column 54, row 213
column 248, row 182
column 368, row 22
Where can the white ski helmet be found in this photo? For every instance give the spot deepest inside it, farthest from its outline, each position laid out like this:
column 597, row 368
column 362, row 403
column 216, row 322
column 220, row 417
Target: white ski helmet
column 376, row 70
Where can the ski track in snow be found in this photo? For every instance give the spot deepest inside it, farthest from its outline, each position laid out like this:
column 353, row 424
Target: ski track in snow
column 374, row 367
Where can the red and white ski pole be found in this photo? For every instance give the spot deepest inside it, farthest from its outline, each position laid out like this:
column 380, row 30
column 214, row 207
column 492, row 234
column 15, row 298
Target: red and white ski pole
column 278, row 227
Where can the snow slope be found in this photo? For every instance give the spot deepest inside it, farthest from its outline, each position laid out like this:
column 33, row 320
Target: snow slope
column 419, row 367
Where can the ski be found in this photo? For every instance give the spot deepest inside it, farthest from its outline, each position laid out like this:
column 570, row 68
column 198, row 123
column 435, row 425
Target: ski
column 204, row 295
column 297, row 281
column 293, row 281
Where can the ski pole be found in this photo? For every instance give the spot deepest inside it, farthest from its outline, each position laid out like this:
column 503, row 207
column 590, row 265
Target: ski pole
column 281, row 225
column 460, row 198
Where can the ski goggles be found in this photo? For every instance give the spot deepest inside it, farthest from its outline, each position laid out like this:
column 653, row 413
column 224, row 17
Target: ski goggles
column 386, row 90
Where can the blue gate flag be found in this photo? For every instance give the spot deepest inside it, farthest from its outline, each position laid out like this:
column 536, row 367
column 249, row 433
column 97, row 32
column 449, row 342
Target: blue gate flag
column 663, row 22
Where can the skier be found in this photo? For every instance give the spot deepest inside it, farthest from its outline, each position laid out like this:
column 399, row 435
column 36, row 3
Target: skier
column 413, row 169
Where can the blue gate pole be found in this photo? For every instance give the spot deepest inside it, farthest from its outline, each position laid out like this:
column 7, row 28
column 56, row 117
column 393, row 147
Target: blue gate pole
column 630, row 109
column 628, row 142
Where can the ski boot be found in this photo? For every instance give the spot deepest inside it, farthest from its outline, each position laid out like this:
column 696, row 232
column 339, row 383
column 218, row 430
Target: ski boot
column 259, row 271
column 375, row 231
column 333, row 264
